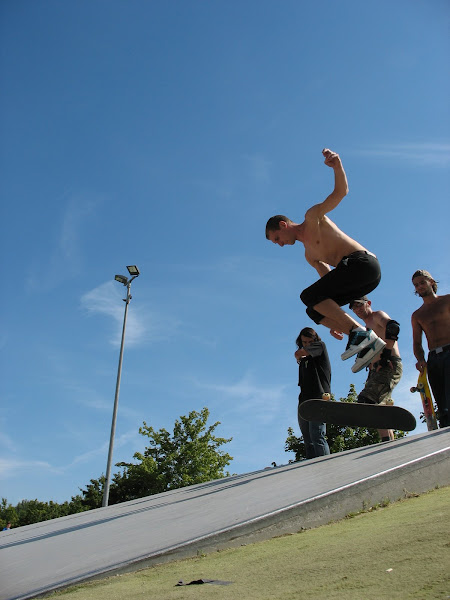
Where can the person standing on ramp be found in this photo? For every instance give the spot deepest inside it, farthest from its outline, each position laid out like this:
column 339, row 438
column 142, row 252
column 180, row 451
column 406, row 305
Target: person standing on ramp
column 385, row 371
column 314, row 380
column 433, row 319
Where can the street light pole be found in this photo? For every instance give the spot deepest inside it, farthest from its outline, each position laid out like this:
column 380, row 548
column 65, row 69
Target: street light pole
column 133, row 270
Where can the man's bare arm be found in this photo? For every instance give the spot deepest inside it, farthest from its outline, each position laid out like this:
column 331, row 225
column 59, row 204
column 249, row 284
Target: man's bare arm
column 417, row 344
column 382, row 319
column 321, row 267
column 340, row 186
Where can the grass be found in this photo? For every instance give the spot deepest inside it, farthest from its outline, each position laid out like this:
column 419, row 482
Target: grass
column 399, row 551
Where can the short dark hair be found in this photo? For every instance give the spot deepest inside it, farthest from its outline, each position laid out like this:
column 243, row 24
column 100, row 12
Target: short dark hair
column 309, row 333
column 273, row 224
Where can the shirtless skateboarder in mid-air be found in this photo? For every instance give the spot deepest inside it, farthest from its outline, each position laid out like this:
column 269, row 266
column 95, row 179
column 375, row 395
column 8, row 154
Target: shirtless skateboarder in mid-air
column 356, row 271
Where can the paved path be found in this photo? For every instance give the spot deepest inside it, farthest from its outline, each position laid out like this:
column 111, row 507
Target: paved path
column 45, row 556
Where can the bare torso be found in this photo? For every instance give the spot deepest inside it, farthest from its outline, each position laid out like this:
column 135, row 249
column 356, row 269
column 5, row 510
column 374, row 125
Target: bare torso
column 377, row 321
column 324, row 241
column 433, row 318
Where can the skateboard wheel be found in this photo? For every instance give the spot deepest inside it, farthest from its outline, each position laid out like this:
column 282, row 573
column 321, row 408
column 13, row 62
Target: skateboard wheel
column 326, row 396
column 413, row 389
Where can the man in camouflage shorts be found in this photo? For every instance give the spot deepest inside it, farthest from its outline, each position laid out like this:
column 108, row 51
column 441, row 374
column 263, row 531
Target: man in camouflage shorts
column 385, row 371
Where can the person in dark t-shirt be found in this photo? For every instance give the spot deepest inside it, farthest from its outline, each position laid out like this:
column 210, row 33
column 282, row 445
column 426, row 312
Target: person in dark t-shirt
column 314, row 379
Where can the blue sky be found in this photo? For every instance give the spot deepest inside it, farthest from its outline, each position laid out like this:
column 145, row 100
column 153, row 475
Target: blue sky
column 164, row 134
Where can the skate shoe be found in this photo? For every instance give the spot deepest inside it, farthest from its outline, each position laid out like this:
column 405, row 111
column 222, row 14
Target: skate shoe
column 357, row 340
column 366, row 355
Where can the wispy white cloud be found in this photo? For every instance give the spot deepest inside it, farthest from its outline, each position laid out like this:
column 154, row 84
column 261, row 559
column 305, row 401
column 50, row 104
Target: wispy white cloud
column 129, row 437
column 7, row 442
column 16, row 467
column 77, row 211
column 232, row 176
column 88, row 397
column 426, row 154
column 238, row 270
column 259, row 167
column 141, row 327
column 220, row 188
column 261, row 401
column 65, row 258
column 105, row 300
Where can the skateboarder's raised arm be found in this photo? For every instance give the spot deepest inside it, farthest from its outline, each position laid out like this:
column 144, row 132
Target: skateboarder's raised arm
column 340, row 187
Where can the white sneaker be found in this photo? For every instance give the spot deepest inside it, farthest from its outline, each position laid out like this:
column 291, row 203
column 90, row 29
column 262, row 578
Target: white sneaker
column 357, row 340
column 366, row 355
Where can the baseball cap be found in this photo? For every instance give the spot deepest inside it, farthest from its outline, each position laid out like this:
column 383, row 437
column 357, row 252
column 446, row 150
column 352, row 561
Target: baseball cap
column 358, row 301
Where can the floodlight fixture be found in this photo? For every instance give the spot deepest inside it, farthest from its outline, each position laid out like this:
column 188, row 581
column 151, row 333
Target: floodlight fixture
column 121, row 279
column 133, row 270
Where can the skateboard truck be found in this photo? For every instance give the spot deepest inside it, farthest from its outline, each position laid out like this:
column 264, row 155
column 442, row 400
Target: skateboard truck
column 418, row 388
column 427, row 400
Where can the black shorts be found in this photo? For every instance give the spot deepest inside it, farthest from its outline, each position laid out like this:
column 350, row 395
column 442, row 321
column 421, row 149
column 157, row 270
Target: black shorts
column 356, row 275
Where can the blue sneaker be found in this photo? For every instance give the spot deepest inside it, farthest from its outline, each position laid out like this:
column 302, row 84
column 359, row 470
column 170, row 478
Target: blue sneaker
column 366, row 355
column 359, row 339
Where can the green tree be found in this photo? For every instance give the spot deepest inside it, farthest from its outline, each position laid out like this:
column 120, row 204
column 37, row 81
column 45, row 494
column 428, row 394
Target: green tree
column 339, row 437
column 27, row 512
column 91, row 497
column 190, row 455
column 8, row 514
column 34, row 511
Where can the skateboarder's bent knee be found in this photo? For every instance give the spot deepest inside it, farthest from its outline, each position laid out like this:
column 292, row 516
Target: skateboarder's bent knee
column 314, row 315
column 310, row 300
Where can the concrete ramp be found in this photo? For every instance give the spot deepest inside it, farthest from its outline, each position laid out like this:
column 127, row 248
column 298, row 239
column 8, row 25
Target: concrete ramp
column 39, row 558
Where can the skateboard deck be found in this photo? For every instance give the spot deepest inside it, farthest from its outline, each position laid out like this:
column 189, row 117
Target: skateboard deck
column 352, row 414
column 427, row 401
